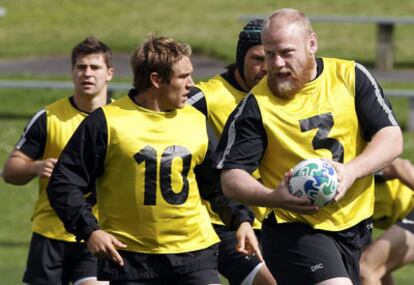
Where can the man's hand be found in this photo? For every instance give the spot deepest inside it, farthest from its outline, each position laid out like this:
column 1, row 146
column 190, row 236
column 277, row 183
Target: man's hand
column 346, row 177
column 247, row 241
column 44, row 168
column 285, row 200
column 241, row 186
column 104, row 245
column 19, row 168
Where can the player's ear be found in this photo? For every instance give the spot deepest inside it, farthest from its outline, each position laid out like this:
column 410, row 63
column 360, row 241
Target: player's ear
column 313, row 43
column 155, row 79
column 110, row 74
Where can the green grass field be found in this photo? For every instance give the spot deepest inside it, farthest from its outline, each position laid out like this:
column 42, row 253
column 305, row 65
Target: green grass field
column 44, row 28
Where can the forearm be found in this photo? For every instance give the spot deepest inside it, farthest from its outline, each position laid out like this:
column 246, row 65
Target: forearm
column 232, row 213
column 384, row 147
column 19, row 172
column 401, row 169
column 239, row 185
column 70, row 205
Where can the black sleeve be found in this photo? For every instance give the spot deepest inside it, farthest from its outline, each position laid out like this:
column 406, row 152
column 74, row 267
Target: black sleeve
column 373, row 109
column 380, row 177
column 197, row 99
column 232, row 213
column 243, row 140
column 74, row 176
column 33, row 140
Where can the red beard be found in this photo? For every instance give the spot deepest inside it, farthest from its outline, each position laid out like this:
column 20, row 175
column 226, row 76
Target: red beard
column 288, row 87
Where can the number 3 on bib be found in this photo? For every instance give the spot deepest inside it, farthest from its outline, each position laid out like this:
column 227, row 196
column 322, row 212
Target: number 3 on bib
column 324, row 124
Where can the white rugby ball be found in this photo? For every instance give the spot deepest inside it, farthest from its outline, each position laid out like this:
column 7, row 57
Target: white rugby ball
column 316, row 179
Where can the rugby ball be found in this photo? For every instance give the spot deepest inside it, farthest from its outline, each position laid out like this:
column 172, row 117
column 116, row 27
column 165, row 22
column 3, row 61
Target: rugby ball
column 316, row 179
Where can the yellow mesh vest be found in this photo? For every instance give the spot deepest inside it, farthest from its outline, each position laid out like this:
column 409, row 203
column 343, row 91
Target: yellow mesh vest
column 325, row 105
column 222, row 98
column 62, row 121
column 148, row 196
column 393, row 201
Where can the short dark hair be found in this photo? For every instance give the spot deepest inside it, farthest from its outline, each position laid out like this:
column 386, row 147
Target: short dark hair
column 156, row 54
column 248, row 37
column 91, row 45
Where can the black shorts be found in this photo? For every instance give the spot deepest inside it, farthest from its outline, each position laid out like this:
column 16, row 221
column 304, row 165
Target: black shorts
column 173, row 268
column 58, row 262
column 295, row 253
column 192, row 278
column 232, row 264
column 407, row 223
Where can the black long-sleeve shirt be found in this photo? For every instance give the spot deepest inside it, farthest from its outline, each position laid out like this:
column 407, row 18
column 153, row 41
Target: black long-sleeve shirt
column 83, row 161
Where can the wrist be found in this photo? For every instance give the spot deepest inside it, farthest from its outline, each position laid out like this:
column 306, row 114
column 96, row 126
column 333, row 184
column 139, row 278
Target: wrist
column 248, row 217
column 86, row 233
column 34, row 168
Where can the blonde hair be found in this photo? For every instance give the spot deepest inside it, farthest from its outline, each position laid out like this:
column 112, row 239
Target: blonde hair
column 156, row 54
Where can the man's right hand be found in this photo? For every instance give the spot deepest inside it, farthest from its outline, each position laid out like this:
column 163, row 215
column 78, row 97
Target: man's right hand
column 45, row 167
column 104, row 245
column 285, row 200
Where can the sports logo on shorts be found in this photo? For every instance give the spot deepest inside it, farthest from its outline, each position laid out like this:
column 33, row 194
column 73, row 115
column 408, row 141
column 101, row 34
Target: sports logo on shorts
column 317, row 267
